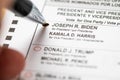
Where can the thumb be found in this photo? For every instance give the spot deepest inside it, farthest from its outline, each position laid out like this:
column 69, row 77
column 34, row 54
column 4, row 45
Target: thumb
column 11, row 63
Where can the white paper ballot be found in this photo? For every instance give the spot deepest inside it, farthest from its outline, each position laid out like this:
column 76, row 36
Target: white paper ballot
column 81, row 43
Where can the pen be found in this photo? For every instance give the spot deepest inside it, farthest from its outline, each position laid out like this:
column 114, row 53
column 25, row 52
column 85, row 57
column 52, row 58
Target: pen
column 26, row 8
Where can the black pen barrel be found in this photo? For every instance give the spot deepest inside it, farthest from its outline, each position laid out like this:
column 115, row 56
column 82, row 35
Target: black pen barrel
column 22, row 7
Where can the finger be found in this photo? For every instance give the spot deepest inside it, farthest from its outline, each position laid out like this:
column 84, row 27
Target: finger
column 0, row 15
column 4, row 4
column 11, row 63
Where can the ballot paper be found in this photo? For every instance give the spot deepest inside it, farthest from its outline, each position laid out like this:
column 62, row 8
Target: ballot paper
column 81, row 43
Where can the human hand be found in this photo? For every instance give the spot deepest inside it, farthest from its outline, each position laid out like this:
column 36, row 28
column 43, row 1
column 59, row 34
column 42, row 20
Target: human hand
column 11, row 61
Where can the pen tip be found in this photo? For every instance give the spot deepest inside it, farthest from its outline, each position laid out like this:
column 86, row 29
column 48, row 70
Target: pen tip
column 45, row 24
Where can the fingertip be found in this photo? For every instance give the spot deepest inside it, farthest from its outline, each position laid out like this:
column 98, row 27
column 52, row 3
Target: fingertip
column 11, row 63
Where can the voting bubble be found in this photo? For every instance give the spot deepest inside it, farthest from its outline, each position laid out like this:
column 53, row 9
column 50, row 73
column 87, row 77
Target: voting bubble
column 37, row 48
column 28, row 74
